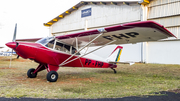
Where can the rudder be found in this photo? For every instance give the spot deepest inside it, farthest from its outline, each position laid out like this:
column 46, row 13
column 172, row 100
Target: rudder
column 115, row 55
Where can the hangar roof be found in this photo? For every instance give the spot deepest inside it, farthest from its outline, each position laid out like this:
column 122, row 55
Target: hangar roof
column 82, row 3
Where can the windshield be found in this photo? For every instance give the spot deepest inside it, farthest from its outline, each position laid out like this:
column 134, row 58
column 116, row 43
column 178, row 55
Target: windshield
column 44, row 41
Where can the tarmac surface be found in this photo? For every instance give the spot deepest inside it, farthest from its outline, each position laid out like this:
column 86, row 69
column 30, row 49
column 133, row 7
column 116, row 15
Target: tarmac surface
column 164, row 96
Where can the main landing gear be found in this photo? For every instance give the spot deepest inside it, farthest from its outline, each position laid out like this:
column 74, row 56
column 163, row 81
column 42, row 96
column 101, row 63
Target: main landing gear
column 31, row 73
column 52, row 76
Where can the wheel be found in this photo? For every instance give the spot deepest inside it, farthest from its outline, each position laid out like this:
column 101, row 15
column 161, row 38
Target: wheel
column 30, row 73
column 114, row 71
column 52, row 76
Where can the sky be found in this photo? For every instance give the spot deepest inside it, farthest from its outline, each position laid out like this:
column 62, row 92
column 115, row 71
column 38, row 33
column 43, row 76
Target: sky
column 30, row 16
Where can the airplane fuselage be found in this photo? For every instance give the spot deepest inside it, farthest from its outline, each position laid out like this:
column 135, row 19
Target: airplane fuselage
column 53, row 58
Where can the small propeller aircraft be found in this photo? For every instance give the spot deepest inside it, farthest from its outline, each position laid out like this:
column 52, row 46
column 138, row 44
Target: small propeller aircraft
column 66, row 50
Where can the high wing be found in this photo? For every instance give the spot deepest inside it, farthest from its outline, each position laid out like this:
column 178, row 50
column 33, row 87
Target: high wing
column 120, row 34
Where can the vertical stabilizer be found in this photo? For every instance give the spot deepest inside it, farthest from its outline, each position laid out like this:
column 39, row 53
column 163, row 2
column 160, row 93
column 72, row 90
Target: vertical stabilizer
column 115, row 55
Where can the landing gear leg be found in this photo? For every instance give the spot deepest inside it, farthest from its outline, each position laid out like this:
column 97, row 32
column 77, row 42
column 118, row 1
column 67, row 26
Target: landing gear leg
column 32, row 73
column 114, row 70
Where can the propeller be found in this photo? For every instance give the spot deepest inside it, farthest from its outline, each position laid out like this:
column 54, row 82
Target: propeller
column 14, row 39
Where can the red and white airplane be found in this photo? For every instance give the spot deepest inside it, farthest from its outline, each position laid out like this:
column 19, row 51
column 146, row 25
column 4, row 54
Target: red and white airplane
column 66, row 50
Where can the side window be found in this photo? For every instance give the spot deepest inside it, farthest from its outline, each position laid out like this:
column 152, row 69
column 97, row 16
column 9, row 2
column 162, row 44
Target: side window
column 74, row 51
column 61, row 47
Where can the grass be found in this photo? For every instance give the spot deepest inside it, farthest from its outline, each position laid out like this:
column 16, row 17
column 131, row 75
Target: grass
column 135, row 80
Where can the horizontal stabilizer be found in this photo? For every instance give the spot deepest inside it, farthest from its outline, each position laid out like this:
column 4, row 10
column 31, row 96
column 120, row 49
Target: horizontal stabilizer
column 130, row 63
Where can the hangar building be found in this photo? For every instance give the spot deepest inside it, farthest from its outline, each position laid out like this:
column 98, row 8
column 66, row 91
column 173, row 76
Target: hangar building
column 87, row 15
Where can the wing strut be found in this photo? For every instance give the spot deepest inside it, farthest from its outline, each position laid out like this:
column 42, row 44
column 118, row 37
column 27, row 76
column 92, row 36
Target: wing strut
column 77, row 44
column 87, row 53
column 81, row 48
column 54, row 44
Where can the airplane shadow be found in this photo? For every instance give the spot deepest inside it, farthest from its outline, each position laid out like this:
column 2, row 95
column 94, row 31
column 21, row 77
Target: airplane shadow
column 162, row 96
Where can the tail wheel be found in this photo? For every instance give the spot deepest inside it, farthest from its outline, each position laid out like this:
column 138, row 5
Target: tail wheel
column 114, row 70
column 30, row 73
column 52, row 76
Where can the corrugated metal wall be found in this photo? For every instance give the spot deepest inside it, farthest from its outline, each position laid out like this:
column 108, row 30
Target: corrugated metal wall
column 175, row 31
column 164, row 8
column 167, row 13
column 171, row 23
column 161, row 2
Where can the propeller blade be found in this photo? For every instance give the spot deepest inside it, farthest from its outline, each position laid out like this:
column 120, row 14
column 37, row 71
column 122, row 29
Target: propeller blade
column 14, row 37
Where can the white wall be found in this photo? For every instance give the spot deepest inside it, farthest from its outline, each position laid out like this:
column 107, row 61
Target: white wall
column 166, row 52
column 102, row 16
column 131, row 52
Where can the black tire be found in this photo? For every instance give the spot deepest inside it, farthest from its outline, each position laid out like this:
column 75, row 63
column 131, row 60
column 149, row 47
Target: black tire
column 30, row 73
column 52, row 76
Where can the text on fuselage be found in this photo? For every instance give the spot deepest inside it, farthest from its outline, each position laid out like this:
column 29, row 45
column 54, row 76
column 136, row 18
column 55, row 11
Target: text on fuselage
column 94, row 63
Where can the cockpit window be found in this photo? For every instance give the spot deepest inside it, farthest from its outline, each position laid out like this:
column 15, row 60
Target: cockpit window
column 50, row 44
column 44, row 41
